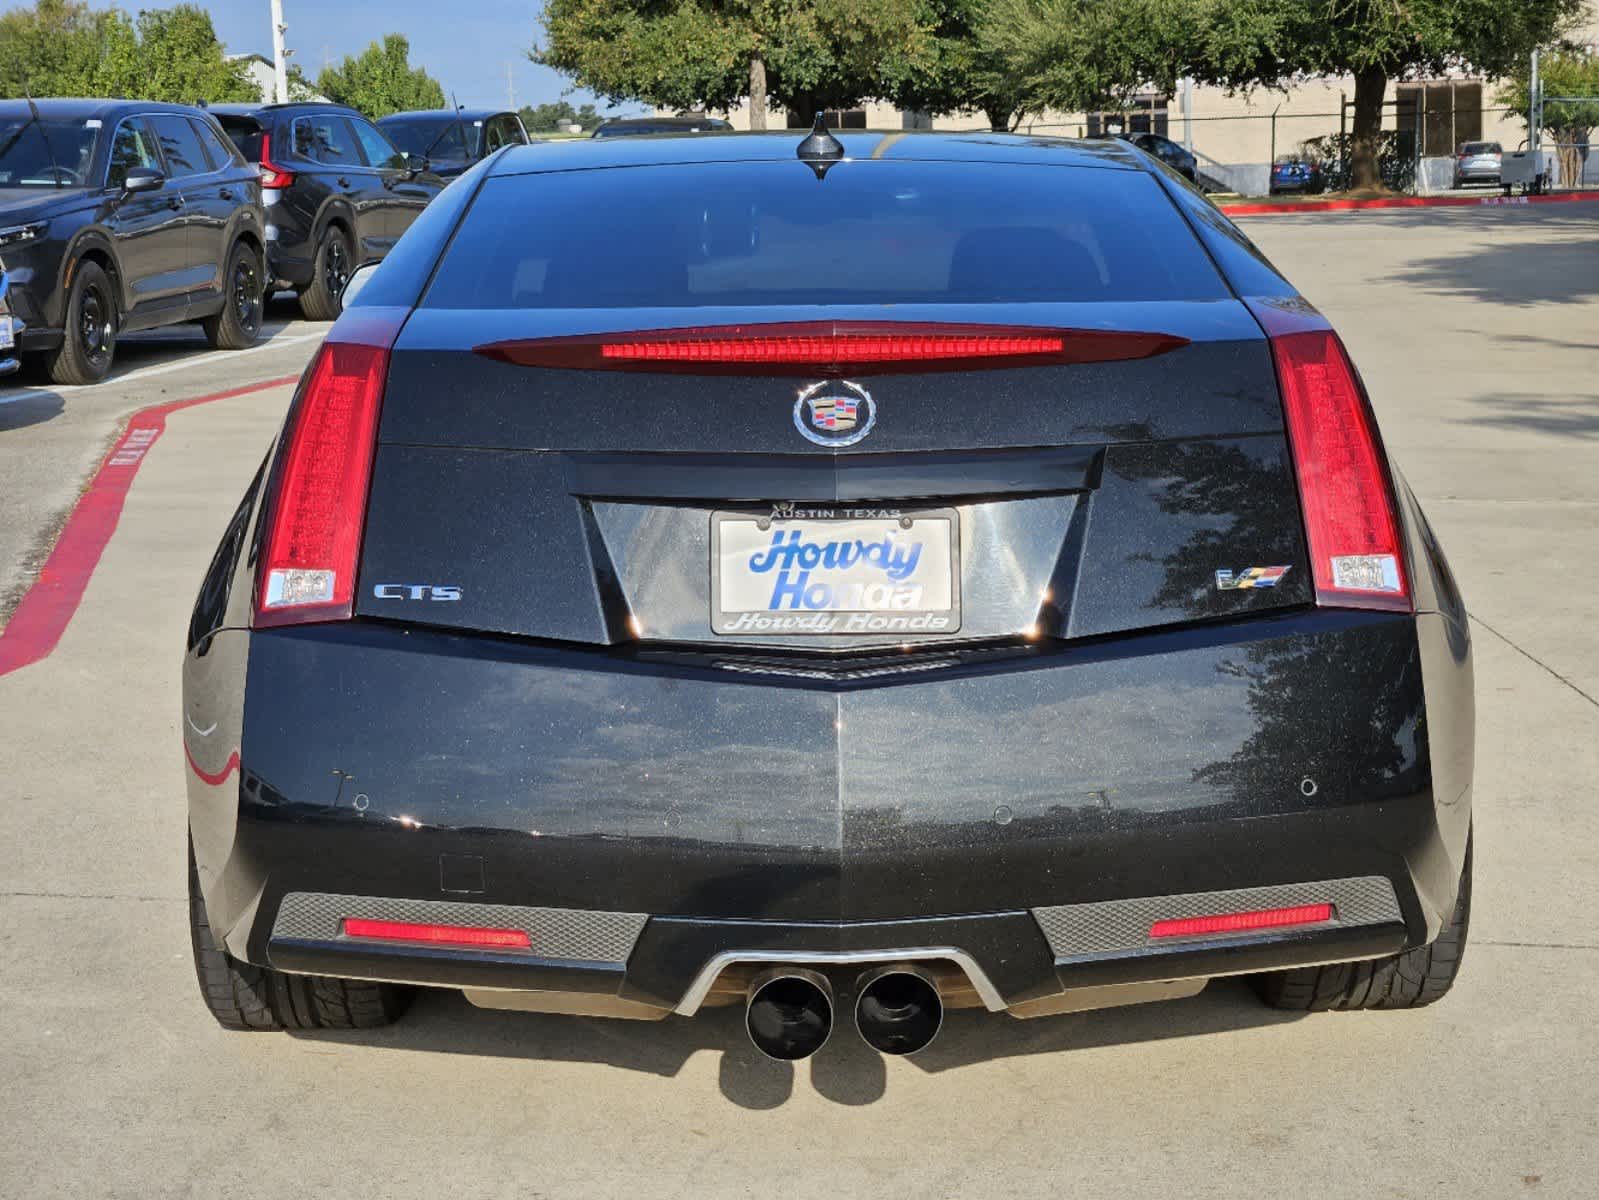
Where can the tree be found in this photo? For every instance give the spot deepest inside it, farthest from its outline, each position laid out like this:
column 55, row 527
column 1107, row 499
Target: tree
column 696, row 54
column 1080, row 55
column 961, row 69
column 181, row 60
column 546, row 118
column 65, row 48
column 380, row 80
column 1572, row 77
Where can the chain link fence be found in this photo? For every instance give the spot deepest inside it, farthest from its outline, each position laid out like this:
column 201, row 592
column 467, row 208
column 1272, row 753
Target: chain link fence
column 1420, row 147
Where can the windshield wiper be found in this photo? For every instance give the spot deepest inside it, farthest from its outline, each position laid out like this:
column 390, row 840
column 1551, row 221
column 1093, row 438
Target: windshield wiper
column 55, row 171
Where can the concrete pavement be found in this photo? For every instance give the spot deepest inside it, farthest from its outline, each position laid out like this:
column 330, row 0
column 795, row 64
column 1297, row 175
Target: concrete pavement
column 1476, row 333
column 52, row 437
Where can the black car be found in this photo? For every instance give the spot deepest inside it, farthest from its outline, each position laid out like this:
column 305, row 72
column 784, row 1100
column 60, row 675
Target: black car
column 337, row 193
column 452, row 141
column 121, row 215
column 1174, row 155
column 824, row 581
column 637, row 126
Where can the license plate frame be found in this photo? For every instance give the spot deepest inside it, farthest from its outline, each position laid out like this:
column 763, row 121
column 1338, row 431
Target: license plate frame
column 847, row 522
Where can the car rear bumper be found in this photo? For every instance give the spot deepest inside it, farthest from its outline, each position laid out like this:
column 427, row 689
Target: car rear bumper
column 1029, row 812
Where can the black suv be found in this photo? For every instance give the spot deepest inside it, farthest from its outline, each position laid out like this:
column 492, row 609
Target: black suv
column 118, row 215
column 452, row 141
column 337, row 193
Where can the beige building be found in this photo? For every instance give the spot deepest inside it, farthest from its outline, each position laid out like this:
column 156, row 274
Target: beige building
column 1236, row 137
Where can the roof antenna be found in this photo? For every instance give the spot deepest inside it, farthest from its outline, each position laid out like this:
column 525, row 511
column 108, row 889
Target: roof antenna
column 820, row 149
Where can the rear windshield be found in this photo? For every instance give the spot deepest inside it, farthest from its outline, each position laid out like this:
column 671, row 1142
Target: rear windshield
column 1481, row 148
column 437, row 141
column 243, row 132
column 770, row 233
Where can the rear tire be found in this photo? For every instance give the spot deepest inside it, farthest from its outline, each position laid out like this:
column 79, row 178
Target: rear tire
column 323, row 298
column 1409, row 979
column 238, row 325
column 244, row 996
column 90, row 336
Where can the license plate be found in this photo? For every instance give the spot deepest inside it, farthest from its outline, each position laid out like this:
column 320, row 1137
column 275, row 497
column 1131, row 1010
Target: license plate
column 836, row 571
column 8, row 339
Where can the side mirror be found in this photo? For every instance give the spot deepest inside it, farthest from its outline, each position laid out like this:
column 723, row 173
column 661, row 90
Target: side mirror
column 359, row 278
column 416, row 163
column 142, row 179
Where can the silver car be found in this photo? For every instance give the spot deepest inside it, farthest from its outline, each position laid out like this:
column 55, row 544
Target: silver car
column 1477, row 162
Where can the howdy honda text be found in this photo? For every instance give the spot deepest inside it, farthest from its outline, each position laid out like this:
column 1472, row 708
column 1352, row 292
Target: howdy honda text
column 792, row 559
column 876, row 573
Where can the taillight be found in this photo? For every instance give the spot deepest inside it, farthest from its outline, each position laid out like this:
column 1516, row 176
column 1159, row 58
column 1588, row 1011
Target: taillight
column 1351, row 518
column 272, row 175
column 318, row 510
column 822, row 347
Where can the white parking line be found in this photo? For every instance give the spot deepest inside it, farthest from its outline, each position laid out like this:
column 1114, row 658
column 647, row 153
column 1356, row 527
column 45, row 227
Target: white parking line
column 188, row 363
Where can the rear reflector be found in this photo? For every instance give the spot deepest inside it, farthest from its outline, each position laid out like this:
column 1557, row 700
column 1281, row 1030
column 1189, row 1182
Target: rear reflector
column 313, row 535
column 1265, row 918
column 441, row 935
column 1351, row 521
column 822, row 347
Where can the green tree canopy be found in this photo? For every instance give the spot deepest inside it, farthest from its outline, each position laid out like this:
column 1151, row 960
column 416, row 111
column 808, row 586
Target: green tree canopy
column 380, row 80
column 691, row 54
column 66, row 48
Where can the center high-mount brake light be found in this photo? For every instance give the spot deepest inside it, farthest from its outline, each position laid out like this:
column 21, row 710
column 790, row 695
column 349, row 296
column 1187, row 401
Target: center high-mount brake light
column 831, row 347
column 1351, row 517
column 472, row 936
column 318, row 509
column 272, row 175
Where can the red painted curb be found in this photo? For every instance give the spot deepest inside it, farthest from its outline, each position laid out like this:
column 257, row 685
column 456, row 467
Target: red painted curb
column 47, row 606
column 1266, row 210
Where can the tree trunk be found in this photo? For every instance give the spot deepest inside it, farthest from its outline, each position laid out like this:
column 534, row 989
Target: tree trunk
column 1365, row 138
column 1000, row 118
column 757, row 92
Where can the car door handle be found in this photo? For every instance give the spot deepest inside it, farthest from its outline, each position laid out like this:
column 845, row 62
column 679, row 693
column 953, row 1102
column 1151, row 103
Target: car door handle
column 174, row 202
column 226, row 193
column 343, row 182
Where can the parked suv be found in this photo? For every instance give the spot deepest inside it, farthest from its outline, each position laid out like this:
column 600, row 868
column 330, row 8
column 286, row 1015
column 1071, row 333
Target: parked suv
column 119, row 215
column 452, row 141
column 1478, row 162
column 337, row 193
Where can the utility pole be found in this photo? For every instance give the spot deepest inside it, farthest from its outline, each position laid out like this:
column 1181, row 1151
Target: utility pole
column 1534, row 107
column 510, row 87
column 280, row 56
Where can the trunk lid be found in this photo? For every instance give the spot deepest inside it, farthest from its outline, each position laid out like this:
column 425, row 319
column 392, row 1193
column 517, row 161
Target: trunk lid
column 588, row 505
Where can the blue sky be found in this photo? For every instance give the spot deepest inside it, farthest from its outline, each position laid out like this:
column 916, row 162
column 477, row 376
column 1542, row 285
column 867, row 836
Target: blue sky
column 465, row 44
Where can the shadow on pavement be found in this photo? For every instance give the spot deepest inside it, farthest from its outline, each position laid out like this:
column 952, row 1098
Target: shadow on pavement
column 1571, row 415
column 24, row 406
column 846, row 1071
column 1516, row 272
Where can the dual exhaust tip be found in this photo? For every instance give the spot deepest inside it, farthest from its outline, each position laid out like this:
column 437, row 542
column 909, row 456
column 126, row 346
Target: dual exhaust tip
column 789, row 1011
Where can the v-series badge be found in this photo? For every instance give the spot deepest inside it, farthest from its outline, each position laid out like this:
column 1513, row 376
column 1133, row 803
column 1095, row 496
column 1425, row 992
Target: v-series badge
column 415, row 591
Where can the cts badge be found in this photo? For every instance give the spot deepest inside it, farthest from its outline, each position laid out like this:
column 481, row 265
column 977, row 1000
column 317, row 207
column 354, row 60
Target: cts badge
column 834, row 413
column 415, row 591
